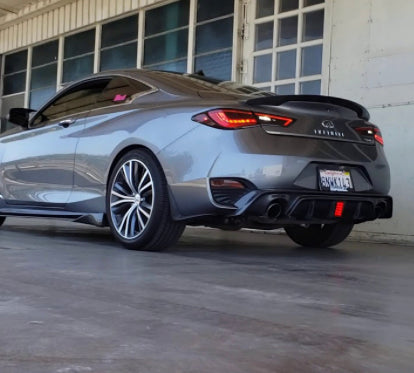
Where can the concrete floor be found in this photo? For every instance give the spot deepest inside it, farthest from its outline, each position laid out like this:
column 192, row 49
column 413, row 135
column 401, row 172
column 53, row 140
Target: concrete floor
column 73, row 300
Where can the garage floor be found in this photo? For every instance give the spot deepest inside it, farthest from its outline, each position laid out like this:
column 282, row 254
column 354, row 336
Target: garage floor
column 72, row 300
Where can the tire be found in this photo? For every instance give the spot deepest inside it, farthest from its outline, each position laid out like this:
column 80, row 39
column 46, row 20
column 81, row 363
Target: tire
column 137, row 204
column 2, row 219
column 318, row 235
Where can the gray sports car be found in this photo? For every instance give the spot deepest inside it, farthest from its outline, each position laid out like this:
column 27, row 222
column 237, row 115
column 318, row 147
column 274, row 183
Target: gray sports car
column 147, row 152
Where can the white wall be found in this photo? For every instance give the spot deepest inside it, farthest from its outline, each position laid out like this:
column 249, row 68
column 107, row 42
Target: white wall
column 372, row 62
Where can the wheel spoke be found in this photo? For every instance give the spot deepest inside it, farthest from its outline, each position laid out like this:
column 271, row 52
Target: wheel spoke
column 141, row 223
column 127, row 173
column 146, row 214
column 146, row 173
column 146, row 186
column 125, row 221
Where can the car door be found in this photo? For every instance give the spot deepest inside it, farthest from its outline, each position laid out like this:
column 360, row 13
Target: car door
column 37, row 163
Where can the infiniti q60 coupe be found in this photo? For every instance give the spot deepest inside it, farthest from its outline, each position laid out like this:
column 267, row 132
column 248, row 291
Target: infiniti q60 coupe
column 149, row 152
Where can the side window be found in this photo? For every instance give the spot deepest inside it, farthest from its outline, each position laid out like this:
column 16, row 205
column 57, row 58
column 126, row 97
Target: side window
column 121, row 90
column 79, row 99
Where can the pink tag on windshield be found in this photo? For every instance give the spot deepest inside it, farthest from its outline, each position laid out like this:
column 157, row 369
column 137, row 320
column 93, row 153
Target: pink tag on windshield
column 120, row 98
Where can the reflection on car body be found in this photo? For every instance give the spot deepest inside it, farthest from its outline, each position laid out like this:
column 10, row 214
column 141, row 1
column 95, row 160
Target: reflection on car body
column 148, row 152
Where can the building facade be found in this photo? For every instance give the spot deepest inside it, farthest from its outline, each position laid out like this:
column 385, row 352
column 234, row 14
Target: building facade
column 356, row 49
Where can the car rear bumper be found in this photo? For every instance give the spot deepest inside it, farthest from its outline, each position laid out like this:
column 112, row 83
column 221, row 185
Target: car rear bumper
column 291, row 207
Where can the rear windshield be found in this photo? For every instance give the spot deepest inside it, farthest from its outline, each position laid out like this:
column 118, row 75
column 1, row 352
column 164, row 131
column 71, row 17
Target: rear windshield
column 198, row 82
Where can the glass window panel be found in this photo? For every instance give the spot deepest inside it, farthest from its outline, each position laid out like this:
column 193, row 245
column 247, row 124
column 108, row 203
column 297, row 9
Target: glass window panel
column 286, row 65
column 285, row 89
column 44, row 76
column 262, row 69
column 264, row 36
column 311, row 60
column 209, row 9
column 311, row 88
column 215, row 65
column 15, row 62
column 122, row 57
column 121, row 31
column 45, row 53
column 313, row 25
column 287, row 5
column 177, row 66
column 7, row 104
column 265, row 8
column 214, row 35
column 166, row 47
column 312, row 2
column 167, row 17
column 78, row 44
column 77, row 68
column 79, row 99
column 39, row 97
column 14, row 83
column 288, row 31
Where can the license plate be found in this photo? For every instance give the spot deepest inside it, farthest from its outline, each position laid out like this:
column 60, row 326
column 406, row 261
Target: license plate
column 335, row 180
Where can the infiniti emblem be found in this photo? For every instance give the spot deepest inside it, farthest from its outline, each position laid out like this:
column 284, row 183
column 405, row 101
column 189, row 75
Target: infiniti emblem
column 328, row 124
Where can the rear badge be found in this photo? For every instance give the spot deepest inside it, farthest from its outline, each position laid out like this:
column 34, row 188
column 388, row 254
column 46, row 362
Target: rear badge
column 328, row 130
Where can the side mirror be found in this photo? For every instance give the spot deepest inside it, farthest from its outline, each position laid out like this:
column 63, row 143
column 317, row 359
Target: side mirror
column 20, row 116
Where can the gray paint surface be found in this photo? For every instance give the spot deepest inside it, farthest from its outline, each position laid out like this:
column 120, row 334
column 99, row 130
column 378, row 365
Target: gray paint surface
column 72, row 300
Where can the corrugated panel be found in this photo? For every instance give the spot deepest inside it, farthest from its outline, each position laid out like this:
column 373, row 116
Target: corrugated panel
column 50, row 18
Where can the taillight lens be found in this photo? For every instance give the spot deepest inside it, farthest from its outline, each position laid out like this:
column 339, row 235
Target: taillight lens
column 370, row 132
column 233, row 119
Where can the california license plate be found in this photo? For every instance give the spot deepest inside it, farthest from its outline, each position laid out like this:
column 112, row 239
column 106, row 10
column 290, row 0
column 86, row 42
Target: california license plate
column 335, row 180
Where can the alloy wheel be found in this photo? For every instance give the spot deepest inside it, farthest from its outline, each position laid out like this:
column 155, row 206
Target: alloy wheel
column 132, row 199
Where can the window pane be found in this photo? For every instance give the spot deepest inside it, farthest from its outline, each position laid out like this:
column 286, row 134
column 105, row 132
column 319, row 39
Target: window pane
column 264, row 36
column 265, row 8
column 15, row 62
column 285, row 89
column 40, row 97
column 177, row 66
column 77, row 68
column 75, row 101
column 44, row 76
column 14, row 83
column 312, row 2
column 311, row 88
column 166, row 17
column 262, row 69
column 311, row 60
column 288, row 31
column 79, row 44
column 120, row 31
column 215, row 65
column 209, row 9
column 45, row 53
column 313, row 25
column 166, row 47
column 287, row 5
column 214, row 35
column 286, row 65
column 122, row 57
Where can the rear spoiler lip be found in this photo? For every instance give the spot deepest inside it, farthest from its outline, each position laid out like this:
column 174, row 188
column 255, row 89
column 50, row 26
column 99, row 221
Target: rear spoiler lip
column 278, row 100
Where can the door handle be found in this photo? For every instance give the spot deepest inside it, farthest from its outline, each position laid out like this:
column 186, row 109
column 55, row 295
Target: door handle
column 66, row 122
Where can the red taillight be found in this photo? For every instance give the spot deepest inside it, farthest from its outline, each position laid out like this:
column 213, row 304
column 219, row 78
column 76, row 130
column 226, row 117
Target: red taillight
column 378, row 136
column 274, row 119
column 339, row 209
column 369, row 132
column 233, row 119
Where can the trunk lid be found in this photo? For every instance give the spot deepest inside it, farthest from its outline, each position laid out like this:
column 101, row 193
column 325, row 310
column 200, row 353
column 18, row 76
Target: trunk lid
column 322, row 117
